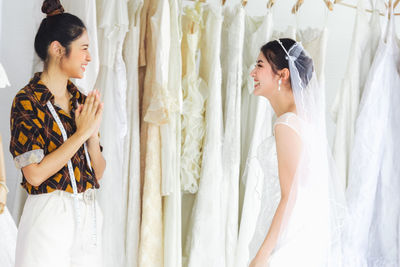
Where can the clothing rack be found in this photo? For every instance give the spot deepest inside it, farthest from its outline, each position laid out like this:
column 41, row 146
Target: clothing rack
column 340, row 2
column 296, row 7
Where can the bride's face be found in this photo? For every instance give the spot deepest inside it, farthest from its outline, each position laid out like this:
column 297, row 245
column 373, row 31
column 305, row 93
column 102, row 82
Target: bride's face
column 265, row 80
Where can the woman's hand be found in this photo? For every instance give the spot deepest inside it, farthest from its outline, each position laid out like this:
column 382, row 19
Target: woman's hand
column 259, row 261
column 88, row 116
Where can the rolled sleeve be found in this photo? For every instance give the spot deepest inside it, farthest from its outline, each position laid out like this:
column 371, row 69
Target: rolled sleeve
column 30, row 157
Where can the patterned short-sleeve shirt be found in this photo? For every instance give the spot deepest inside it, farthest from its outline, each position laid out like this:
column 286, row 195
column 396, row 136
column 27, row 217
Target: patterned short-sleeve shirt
column 35, row 134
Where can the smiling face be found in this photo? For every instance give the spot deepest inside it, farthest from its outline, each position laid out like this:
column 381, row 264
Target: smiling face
column 74, row 64
column 265, row 80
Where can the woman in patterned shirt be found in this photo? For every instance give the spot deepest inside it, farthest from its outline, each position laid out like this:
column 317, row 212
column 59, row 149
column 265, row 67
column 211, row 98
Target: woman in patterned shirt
column 55, row 142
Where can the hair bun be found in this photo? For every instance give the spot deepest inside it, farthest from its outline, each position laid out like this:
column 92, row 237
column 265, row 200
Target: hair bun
column 52, row 7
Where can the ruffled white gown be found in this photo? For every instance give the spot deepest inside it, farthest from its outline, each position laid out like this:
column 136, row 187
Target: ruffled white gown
column 256, row 126
column 372, row 234
column 193, row 126
column 344, row 111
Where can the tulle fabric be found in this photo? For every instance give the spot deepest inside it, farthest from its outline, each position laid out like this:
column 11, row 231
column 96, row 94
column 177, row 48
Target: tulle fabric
column 310, row 233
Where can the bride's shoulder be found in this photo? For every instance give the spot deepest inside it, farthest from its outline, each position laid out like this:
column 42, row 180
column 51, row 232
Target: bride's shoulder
column 289, row 119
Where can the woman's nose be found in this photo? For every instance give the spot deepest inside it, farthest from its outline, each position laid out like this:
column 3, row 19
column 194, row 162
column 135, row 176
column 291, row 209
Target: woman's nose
column 253, row 73
column 88, row 57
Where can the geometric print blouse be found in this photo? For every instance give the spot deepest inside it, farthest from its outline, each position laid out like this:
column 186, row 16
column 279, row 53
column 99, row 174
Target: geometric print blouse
column 35, row 133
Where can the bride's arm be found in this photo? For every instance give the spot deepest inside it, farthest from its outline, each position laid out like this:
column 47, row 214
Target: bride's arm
column 288, row 147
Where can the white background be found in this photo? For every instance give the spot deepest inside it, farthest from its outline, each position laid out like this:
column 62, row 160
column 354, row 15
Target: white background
column 18, row 30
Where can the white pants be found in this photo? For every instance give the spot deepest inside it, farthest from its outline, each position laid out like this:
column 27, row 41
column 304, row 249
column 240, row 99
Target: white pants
column 47, row 236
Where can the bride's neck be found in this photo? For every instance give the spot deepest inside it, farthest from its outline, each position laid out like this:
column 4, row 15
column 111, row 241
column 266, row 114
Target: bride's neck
column 283, row 103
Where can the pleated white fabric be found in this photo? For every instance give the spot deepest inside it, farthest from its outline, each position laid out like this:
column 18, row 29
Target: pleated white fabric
column 170, row 146
column 232, row 71
column 131, row 167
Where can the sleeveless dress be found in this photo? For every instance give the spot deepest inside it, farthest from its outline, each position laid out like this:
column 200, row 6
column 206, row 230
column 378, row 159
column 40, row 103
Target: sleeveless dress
column 270, row 193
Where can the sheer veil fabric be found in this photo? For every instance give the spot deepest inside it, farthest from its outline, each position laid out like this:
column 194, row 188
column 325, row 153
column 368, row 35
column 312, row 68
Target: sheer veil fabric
column 310, row 234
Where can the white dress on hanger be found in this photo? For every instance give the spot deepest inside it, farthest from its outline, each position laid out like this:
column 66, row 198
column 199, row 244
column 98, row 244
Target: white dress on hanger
column 194, row 96
column 372, row 234
column 131, row 168
column 8, row 240
column 111, row 81
column 86, row 11
column 256, row 126
column 231, row 64
column 171, row 146
column 205, row 243
column 345, row 107
column 155, row 113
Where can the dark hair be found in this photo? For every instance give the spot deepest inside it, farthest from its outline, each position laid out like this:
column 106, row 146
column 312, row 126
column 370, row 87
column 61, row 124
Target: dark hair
column 57, row 26
column 278, row 60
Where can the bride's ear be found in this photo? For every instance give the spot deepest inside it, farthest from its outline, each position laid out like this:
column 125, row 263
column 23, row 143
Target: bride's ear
column 285, row 74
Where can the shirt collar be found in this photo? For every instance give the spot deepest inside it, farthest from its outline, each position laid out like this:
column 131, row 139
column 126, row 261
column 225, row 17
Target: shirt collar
column 43, row 94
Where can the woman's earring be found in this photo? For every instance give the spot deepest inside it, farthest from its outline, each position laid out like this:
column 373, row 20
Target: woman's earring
column 279, row 83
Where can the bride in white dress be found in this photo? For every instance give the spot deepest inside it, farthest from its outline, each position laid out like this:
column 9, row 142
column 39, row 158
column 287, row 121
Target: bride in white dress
column 305, row 230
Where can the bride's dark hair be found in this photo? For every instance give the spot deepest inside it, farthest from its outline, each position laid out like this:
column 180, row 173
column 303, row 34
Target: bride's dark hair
column 278, row 58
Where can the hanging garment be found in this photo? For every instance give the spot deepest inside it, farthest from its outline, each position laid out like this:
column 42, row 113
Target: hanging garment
column 112, row 83
column 194, row 89
column 345, row 107
column 372, row 233
column 131, row 167
column 205, row 241
column 171, row 146
column 194, row 96
column 256, row 126
column 8, row 228
column 231, row 64
column 8, row 240
column 3, row 78
column 314, row 42
column 154, row 113
column 37, row 66
column 191, row 23
column 86, row 11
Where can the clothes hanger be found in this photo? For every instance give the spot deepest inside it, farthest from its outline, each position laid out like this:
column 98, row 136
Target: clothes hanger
column 340, row 2
column 270, row 3
column 297, row 6
column 328, row 4
column 244, row 3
